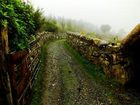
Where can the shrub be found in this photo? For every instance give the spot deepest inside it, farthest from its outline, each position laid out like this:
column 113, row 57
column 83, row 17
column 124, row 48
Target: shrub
column 19, row 18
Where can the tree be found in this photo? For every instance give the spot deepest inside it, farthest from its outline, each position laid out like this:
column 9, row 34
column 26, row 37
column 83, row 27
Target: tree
column 39, row 20
column 105, row 28
column 62, row 23
column 69, row 25
column 51, row 26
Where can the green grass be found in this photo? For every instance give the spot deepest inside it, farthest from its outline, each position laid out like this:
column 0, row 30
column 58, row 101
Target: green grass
column 69, row 81
column 38, row 87
column 94, row 71
column 91, row 69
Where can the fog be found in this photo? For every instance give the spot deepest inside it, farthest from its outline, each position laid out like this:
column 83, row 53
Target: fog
column 119, row 14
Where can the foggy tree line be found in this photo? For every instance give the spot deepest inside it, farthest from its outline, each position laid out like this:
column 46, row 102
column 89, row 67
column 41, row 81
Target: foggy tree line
column 23, row 22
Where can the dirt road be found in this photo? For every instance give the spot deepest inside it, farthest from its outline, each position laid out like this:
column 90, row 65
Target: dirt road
column 67, row 82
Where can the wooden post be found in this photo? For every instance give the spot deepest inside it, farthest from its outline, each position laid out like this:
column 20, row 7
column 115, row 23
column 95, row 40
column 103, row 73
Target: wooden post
column 4, row 38
column 4, row 71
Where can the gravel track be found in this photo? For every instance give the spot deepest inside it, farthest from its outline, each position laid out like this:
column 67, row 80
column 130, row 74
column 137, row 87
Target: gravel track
column 66, row 83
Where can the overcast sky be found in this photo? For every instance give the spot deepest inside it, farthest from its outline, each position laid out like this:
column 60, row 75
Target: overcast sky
column 117, row 13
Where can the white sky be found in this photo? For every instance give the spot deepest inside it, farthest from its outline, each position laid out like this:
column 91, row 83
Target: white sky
column 117, row 13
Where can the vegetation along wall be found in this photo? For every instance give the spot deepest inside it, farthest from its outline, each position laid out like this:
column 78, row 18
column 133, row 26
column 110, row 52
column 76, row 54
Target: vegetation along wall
column 119, row 61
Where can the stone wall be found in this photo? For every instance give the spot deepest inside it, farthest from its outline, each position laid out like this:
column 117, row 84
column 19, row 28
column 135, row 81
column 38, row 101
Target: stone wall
column 108, row 56
column 22, row 68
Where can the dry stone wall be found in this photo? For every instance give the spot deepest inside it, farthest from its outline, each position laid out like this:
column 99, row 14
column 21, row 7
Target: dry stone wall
column 107, row 55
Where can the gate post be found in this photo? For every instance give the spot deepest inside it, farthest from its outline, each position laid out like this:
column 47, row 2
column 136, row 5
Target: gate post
column 6, row 85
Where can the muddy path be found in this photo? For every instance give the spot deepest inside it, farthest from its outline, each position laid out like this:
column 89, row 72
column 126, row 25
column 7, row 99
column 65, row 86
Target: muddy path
column 65, row 81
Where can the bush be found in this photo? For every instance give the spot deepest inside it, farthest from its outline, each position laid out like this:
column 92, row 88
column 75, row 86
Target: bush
column 19, row 18
column 39, row 20
column 23, row 22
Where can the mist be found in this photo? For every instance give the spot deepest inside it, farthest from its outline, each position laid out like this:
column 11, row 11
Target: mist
column 121, row 15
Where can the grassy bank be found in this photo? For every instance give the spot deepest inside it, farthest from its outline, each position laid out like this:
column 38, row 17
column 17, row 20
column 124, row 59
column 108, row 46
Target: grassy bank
column 38, row 87
column 96, row 72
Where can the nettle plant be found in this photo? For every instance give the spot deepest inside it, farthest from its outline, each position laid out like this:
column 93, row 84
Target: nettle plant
column 18, row 18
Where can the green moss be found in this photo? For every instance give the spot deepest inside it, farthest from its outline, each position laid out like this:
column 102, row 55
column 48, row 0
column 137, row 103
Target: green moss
column 96, row 72
column 91, row 69
column 70, row 83
column 38, row 87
